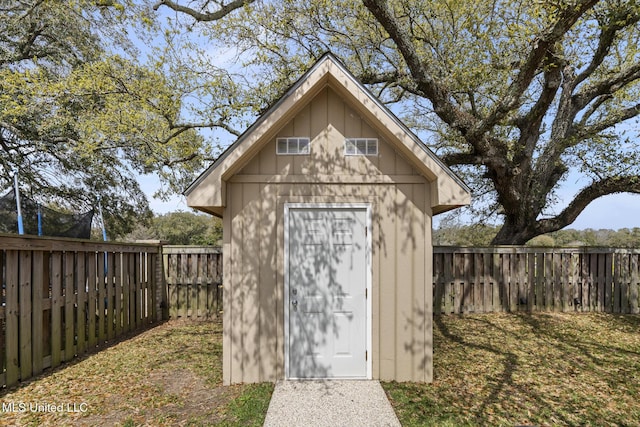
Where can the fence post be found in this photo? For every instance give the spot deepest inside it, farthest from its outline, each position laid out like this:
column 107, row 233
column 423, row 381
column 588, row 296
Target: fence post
column 160, row 286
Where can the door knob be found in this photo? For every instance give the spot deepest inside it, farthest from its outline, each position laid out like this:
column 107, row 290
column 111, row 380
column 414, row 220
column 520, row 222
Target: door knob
column 295, row 304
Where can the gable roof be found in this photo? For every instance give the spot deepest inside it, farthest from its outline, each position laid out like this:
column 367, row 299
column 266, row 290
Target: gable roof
column 207, row 192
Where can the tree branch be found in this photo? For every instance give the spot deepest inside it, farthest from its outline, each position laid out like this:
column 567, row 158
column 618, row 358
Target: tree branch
column 606, row 186
column 542, row 45
column 435, row 92
column 179, row 128
column 608, row 86
column 207, row 16
column 623, row 18
column 610, row 121
column 452, row 159
column 530, row 123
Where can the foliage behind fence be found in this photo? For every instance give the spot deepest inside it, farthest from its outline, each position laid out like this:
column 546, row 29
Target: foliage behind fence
column 61, row 298
column 468, row 280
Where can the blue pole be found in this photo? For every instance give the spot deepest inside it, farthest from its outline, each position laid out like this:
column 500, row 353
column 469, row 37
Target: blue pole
column 39, row 220
column 17, row 191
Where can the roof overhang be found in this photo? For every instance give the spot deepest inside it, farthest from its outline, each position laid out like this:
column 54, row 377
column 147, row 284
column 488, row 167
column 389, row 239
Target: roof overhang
column 208, row 192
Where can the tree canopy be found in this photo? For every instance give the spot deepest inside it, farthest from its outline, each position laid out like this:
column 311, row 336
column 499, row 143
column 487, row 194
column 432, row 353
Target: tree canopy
column 80, row 117
column 515, row 95
column 451, row 234
column 180, row 228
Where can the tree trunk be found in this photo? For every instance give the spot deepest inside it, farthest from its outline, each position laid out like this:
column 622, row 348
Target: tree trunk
column 514, row 232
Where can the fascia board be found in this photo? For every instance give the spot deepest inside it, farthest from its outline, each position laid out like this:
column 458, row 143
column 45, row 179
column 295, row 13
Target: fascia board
column 330, row 71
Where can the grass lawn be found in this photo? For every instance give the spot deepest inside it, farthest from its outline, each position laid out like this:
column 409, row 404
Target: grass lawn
column 520, row 369
column 169, row 375
column 492, row 369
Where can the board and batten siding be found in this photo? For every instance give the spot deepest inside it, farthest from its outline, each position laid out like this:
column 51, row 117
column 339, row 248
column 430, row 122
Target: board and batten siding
column 254, row 239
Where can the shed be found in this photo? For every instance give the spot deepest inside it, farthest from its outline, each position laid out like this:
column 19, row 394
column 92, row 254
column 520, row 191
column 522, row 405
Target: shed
column 327, row 203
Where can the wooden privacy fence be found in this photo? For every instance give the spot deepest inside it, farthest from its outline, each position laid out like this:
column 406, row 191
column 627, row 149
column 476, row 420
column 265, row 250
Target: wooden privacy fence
column 465, row 280
column 476, row 280
column 194, row 281
column 64, row 297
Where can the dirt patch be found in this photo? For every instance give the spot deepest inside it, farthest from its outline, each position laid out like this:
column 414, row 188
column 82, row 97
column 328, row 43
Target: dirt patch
column 183, row 398
column 170, row 375
column 194, row 398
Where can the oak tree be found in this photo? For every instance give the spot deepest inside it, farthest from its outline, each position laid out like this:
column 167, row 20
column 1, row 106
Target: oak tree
column 515, row 95
column 80, row 118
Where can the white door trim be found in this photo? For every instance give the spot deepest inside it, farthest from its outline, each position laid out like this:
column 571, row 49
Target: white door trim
column 368, row 278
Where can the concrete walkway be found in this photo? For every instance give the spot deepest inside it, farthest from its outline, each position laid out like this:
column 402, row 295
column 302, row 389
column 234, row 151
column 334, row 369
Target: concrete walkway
column 334, row 403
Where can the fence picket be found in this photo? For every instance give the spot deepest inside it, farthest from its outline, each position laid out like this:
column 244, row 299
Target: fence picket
column 69, row 296
column 635, row 284
column 448, row 283
column 488, row 283
column 37, row 311
column 110, row 295
column 117, row 305
column 585, row 301
column 11, row 320
column 26, row 364
column 92, row 278
column 126, row 325
column 624, row 283
column 57, row 301
column 102, row 297
column 81, row 283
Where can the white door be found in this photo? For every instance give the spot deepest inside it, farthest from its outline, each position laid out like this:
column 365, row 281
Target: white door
column 327, row 287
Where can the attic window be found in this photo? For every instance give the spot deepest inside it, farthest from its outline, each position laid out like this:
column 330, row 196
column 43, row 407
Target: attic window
column 292, row 146
column 361, row 147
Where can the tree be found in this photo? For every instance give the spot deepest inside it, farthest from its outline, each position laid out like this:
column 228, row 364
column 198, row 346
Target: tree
column 181, row 228
column 78, row 120
column 516, row 95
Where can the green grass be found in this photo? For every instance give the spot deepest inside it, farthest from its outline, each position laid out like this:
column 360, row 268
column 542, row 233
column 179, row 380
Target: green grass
column 493, row 369
column 520, row 369
column 168, row 375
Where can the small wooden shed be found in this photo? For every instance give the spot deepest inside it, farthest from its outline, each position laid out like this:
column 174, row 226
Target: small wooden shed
column 327, row 202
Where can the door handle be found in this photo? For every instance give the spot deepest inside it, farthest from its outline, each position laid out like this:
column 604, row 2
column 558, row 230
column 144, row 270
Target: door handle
column 295, row 304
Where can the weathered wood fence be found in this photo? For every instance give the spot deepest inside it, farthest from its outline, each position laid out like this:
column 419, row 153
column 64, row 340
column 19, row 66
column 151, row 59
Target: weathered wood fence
column 63, row 297
column 477, row 280
column 193, row 275
column 465, row 280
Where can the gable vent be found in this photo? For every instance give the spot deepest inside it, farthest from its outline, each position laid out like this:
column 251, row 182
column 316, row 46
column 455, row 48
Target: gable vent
column 292, row 146
column 361, row 147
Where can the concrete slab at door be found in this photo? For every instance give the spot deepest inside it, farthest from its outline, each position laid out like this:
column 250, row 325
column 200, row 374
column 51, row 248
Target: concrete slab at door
column 327, row 285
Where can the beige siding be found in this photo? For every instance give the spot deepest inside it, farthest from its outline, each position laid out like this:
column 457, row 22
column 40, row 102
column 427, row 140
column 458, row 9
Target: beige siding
column 267, row 286
column 254, row 238
column 327, row 121
column 401, row 325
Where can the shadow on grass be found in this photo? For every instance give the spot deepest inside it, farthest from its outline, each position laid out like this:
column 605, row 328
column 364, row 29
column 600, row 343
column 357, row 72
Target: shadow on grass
column 528, row 369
